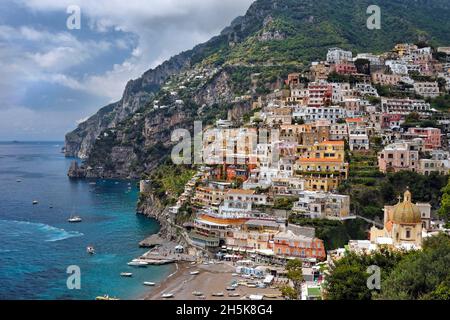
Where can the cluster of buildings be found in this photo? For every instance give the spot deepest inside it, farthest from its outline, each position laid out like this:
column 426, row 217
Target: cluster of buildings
column 292, row 156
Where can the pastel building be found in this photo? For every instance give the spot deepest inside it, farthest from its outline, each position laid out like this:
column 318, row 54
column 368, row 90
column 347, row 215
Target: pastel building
column 288, row 244
column 322, row 205
column 431, row 137
column 399, row 156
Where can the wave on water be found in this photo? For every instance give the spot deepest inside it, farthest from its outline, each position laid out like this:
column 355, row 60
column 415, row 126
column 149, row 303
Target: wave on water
column 50, row 234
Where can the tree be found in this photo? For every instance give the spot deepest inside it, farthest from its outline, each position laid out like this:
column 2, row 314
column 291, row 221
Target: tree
column 444, row 210
column 289, row 293
column 421, row 274
column 347, row 282
column 295, row 273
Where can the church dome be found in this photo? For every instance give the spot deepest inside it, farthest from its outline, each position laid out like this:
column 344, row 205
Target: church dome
column 406, row 211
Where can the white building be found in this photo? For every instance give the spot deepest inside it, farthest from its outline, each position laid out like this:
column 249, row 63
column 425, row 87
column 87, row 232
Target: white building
column 359, row 142
column 366, row 89
column 404, row 106
column 337, row 55
column 322, row 205
column 427, row 89
column 312, row 114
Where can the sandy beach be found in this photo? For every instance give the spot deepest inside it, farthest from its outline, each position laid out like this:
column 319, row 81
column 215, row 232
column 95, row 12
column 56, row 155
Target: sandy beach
column 212, row 278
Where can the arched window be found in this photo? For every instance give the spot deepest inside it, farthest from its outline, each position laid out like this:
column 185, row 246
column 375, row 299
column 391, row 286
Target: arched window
column 408, row 234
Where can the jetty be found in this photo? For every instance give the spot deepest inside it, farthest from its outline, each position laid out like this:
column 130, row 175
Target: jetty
column 166, row 253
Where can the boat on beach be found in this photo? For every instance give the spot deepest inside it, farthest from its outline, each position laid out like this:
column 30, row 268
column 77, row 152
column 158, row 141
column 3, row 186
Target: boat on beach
column 218, row 294
column 194, row 273
column 167, row 295
column 149, row 284
column 197, row 294
column 234, row 295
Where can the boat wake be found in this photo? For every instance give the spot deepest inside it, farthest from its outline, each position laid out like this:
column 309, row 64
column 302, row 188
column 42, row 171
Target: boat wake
column 49, row 233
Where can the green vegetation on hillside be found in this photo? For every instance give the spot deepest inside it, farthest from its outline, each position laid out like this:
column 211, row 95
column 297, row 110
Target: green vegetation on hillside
column 370, row 190
column 335, row 234
column 168, row 180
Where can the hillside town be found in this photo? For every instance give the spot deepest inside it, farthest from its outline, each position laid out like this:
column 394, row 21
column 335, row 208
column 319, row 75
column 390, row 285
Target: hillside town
column 293, row 156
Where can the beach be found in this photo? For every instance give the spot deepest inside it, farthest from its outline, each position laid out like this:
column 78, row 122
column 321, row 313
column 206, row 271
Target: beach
column 212, row 278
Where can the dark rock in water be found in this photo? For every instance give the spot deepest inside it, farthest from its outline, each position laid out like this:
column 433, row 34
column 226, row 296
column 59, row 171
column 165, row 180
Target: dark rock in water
column 76, row 171
column 151, row 242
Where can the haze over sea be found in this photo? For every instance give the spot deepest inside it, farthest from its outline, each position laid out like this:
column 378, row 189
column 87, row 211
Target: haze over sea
column 37, row 244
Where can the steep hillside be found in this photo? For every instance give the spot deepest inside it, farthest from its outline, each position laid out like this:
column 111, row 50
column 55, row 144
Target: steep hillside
column 273, row 38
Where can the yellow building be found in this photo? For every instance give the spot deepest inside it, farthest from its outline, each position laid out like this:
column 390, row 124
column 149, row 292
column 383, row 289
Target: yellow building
column 327, row 150
column 323, row 166
column 402, row 225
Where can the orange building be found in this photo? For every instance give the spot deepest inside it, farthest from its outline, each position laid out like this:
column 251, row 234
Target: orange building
column 287, row 243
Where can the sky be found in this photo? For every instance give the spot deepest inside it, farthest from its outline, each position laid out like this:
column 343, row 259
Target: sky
column 53, row 77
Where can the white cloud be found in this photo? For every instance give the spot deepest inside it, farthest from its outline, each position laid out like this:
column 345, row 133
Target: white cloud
column 150, row 31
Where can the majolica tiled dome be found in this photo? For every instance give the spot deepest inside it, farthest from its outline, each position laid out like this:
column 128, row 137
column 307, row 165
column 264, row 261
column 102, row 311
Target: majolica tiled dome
column 406, row 211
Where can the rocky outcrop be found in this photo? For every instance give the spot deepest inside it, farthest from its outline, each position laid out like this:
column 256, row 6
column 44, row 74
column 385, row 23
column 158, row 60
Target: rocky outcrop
column 151, row 207
column 76, row 172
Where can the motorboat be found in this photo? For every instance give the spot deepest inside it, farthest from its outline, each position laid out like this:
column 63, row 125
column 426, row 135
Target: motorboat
column 75, row 219
column 149, row 284
column 194, row 273
column 90, row 250
column 35, row 202
column 167, row 295
column 126, row 274
column 136, row 263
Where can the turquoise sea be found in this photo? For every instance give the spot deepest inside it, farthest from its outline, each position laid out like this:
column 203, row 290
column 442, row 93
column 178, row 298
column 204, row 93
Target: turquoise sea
column 37, row 244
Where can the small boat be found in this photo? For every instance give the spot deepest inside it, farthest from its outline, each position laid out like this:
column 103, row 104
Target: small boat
column 149, row 284
column 234, row 295
column 167, row 295
column 137, row 263
column 218, row 294
column 18, row 181
column 105, row 298
column 193, row 263
column 75, row 219
column 197, row 294
column 230, row 288
column 35, row 202
column 126, row 274
column 90, row 250
column 194, row 273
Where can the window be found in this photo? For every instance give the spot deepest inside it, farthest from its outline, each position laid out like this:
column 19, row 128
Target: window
column 408, row 234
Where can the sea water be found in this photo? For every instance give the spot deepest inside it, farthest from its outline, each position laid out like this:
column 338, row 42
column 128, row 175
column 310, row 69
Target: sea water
column 38, row 245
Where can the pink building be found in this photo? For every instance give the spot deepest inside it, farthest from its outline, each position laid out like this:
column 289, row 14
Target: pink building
column 400, row 156
column 430, row 136
column 319, row 94
column 392, row 120
column 345, row 68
